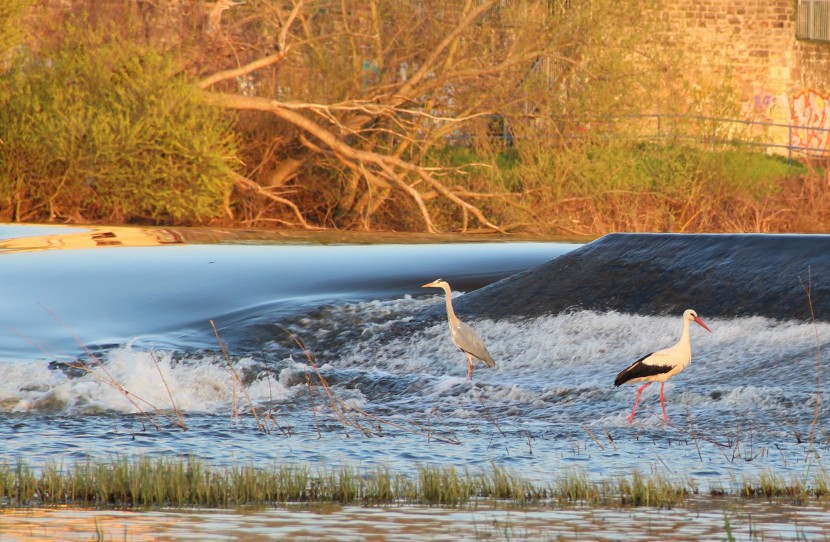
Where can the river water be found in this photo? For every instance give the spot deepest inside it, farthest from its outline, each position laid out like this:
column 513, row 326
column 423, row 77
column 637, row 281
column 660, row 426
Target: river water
column 108, row 331
column 698, row 521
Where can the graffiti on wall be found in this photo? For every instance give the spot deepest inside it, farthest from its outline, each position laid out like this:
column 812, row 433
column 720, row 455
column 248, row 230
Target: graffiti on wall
column 792, row 123
column 765, row 107
column 811, row 120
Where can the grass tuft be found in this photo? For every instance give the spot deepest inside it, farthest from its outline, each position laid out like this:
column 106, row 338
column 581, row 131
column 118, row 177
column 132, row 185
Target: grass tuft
column 654, row 491
column 147, row 482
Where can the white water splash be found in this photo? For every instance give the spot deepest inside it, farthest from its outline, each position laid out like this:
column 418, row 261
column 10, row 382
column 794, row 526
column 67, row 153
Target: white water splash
column 569, row 360
column 131, row 381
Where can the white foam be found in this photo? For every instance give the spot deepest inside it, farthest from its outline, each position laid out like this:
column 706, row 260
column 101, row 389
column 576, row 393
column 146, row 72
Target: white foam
column 583, row 341
column 749, row 396
column 571, row 360
column 151, row 380
column 561, row 358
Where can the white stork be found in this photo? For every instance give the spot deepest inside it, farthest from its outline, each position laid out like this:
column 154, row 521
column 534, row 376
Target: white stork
column 661, row 365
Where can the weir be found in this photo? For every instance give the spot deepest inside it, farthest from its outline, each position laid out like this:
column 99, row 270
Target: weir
column 718, row 275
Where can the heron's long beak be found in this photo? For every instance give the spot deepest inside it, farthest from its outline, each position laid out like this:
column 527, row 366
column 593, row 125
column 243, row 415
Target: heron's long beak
column 430, row 285
column 704, row 326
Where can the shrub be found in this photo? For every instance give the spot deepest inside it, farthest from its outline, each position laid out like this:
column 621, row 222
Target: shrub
column 10, row 28
column 635, row 185
column 100, row 129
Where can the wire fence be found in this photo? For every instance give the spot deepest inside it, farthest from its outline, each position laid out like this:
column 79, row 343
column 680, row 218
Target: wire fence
column 774, row 137
column 790, row 140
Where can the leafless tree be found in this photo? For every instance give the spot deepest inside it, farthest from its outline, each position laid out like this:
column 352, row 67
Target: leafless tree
column 360, row 91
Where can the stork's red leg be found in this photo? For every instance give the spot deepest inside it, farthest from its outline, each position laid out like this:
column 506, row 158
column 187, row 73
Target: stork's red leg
column 637, row 400
column 663, row 403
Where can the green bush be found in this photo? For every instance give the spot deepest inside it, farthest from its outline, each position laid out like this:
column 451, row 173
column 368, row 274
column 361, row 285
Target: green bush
column 10, row 28
column 101, row 129
column 619, row 184
column 672, row 169
column 752, row 173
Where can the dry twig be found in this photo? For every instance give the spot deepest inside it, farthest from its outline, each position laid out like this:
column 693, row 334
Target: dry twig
column 237, row 380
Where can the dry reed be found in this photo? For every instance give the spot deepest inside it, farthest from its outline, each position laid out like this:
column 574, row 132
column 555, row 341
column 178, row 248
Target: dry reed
column 159, row 482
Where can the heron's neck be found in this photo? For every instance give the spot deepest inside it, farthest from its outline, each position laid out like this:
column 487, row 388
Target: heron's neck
column 450, row 311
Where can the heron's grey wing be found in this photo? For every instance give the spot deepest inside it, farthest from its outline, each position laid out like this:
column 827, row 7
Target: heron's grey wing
column 468, row 340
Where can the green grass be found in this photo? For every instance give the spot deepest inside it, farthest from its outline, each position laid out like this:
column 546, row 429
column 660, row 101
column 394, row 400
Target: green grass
column 623, row 184
column 672, row 169
column 654, row 491
column 633, row 166
column 147, row 482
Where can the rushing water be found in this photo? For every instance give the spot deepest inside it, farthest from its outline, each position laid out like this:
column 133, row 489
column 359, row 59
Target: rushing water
column 106, row 332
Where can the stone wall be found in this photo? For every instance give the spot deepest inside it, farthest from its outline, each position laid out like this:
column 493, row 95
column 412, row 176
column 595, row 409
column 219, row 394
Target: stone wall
column 753, row 44
column 752, row 39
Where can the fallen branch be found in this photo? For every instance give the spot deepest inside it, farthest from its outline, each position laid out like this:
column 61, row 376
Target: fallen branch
column 248, row 184
column 383, row 165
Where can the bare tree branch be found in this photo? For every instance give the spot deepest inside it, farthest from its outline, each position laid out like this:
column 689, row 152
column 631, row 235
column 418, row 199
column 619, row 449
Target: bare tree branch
column 366, row 90
column 383, row 162
column 242, row 70
column 248, row 184
column 258, row 64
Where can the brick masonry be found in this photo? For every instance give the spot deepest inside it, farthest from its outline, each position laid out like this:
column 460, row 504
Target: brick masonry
column 778, row 77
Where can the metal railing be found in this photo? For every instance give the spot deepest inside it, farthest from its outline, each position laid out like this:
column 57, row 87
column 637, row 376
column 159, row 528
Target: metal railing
column 723, row 131
column 783, row 139
column 790, row 140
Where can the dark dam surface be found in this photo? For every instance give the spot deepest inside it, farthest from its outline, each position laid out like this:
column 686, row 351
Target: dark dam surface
column 725, row 275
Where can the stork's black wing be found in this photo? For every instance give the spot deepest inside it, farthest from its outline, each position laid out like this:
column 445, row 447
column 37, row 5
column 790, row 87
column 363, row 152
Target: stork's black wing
column 640, row 369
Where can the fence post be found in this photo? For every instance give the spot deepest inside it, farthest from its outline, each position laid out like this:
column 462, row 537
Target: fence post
column 714, row 133
column 789, row 144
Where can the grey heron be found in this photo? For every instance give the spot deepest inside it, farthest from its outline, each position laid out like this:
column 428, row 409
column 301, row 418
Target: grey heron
column 662, row 364
column 463, row 336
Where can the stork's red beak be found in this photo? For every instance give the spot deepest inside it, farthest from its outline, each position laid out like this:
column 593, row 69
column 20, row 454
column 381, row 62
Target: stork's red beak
column 704, row 326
